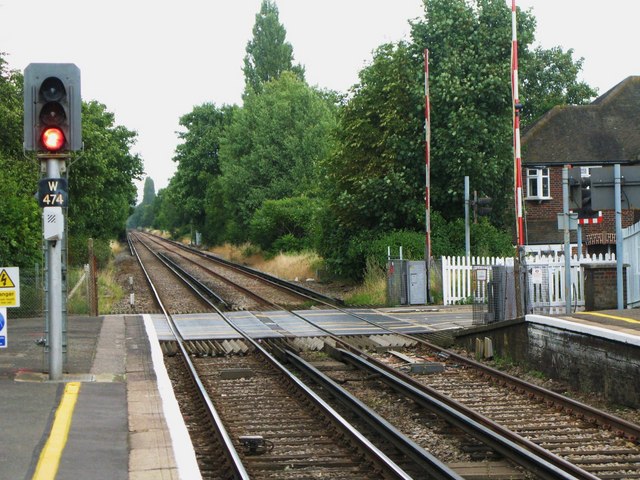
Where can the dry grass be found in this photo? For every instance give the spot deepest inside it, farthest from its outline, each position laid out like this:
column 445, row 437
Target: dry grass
column 299, row 266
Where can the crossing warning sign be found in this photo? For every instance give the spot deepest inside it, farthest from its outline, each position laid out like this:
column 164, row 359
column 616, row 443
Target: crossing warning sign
column 9, row 287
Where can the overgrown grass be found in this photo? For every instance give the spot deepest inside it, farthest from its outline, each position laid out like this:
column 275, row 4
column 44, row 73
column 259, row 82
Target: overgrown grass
column 109, row 291
column 373, row 290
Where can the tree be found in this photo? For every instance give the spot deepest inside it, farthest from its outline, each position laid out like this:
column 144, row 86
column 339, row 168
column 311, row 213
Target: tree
column 376, row 179
column 198, row 158
column 549, row 79
column 471, row 129
column 20, row 216
column 272, row 148
column 143, row 214
column 268, row 54
column 101, row 190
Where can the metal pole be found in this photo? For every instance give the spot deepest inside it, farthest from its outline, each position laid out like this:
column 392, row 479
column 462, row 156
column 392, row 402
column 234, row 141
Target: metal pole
column 619, row 243
column 467, row 231
column 427, row 173
column 567, row 240
column 579, row 239
column 54, row 276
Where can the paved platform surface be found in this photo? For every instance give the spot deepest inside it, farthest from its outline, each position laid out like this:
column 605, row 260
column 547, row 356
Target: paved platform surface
column 118, row 427
column 620, row 325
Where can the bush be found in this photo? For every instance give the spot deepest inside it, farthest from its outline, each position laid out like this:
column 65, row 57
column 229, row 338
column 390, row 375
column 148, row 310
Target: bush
column 283, row 225
column 346, row 255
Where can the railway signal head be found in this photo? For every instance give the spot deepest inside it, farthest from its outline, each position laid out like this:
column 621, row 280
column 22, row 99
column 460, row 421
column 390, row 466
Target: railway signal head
column 52, row 108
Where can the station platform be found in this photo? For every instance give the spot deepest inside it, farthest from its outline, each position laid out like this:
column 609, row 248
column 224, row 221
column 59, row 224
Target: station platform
column 617, row 325
column 113, row 416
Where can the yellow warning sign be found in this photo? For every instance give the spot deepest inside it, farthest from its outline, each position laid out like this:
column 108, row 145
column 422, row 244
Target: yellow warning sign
column 9, row 286
column 8, row 299
column 5, row 280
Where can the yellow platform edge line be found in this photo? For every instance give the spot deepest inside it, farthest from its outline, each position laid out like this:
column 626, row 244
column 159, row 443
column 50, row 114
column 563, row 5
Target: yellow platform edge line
column 613, row 317
column 51, row 454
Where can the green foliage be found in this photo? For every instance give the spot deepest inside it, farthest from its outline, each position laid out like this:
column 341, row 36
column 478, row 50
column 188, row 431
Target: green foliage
column 20, row 235
column 283, row 225
column 20, row 216
column 272, row 149
column 144, row 214
column 268, row 54
column 550, row 80
column 350, row 256
column 198, row 160
column 79, row 250
column 374, row 183
column 470, row 93
column 101, row 189
column 374, row 287
column 10, row 111
column 375, row 180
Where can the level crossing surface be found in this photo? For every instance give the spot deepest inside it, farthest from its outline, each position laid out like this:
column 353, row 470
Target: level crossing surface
column 309, row 323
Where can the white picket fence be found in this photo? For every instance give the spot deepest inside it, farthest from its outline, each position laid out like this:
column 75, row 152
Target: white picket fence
column 457, row 276
column 546, row 279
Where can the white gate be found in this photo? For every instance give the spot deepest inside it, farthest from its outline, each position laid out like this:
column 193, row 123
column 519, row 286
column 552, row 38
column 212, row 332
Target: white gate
column 631, row 257
column 457, row 276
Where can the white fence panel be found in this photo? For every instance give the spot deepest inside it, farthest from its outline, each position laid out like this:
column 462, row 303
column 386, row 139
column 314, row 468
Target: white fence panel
column 546, row 288
column 547, row 294
column 457, row 276
column 631, row 249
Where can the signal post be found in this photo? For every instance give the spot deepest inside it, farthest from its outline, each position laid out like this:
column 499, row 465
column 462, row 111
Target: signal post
column 53, row 129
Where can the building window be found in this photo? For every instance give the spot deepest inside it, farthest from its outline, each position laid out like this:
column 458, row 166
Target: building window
column 538, row 183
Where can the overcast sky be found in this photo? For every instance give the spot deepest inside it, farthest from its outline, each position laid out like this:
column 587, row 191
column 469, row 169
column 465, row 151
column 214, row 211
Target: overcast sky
column 151, row 61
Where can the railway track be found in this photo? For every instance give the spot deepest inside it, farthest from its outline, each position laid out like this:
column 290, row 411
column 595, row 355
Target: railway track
column 239, row 287
column 575, row 441
column 601, row 444
column 266, row 423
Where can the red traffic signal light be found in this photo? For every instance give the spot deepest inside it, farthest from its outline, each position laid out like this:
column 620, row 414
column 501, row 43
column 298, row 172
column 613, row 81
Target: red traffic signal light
column 52, row 139
column 52, row 108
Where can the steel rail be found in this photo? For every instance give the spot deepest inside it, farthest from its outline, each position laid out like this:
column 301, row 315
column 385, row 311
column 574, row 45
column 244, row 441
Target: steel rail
column 622, row 427
column 238, row 470
column 503, row 440
column 220, row 277
column 377, row 455
column 188, row 278
column 431, row 465
column 630, row 430
column 275, row 281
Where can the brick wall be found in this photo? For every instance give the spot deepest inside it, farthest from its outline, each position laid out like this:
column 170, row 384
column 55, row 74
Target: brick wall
column 586, row 363
column 600, row 286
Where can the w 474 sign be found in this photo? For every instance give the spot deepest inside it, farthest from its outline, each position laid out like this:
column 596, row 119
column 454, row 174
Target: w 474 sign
column 52, row 192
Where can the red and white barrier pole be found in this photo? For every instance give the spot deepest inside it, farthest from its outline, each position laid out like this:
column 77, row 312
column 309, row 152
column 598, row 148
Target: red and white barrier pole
column 517, row 107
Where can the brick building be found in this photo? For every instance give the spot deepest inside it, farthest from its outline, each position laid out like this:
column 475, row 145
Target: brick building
column 603, row 133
